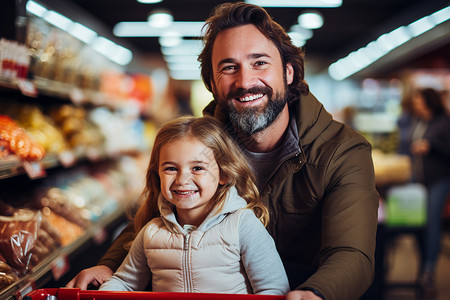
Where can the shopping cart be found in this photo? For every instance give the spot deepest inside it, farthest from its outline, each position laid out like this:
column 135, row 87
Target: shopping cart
column 77, row 294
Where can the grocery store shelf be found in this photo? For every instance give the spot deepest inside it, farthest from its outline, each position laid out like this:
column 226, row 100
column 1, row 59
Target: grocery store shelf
column 44, row 271
column 12, row 165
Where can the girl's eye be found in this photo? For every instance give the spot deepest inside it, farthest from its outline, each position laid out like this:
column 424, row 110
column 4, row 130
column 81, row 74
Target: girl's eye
column 198, row 168
column 170, row 169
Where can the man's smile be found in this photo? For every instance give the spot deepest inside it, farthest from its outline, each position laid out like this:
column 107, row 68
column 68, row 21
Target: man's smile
column 250, row 98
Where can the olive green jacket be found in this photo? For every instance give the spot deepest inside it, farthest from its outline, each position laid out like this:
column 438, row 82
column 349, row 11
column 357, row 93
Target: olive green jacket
column 323, row 205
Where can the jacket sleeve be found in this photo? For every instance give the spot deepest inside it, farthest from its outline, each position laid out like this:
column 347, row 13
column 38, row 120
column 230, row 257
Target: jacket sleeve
column 349, row 224
column 134, row 273
column 260, row 258
column 117, row 252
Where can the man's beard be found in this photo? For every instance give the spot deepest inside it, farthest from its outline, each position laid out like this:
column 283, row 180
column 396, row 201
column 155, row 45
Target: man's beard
column 255, row 119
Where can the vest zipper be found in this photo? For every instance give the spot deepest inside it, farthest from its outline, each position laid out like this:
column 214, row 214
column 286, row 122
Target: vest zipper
column 187, row 265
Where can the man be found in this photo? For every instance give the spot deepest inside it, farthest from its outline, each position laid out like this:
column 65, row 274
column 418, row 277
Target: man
column 314, row 174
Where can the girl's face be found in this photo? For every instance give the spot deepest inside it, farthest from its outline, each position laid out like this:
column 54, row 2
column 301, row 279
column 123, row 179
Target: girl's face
column 189, row 178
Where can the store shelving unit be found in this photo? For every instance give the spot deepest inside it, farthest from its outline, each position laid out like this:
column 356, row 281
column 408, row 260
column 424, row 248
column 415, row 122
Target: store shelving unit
column 13, row 168
column 58, row 260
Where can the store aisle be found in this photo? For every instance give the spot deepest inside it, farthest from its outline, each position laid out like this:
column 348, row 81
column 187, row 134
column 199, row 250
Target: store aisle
column 404, row 261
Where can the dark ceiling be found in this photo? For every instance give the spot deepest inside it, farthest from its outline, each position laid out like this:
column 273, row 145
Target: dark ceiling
column 354, row 24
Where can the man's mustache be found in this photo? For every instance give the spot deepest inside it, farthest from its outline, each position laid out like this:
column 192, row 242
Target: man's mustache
column 240, row 92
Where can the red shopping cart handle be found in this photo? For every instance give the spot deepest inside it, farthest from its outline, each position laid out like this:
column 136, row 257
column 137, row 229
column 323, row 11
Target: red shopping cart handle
column 77, row 294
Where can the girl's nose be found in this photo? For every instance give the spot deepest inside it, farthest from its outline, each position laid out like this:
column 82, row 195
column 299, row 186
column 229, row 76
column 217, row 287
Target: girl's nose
column 183, row 178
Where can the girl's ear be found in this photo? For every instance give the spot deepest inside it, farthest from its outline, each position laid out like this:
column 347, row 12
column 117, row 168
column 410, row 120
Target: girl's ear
column 223, row 178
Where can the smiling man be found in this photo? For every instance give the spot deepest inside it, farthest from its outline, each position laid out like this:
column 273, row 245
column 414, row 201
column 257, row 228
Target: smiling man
column 314, row 174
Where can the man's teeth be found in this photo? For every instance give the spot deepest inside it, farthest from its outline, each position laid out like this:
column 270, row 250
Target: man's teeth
column 250, row 98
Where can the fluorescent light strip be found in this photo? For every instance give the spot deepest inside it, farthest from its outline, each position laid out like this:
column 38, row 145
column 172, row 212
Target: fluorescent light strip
column 187, row 47
column 296, row 3
column 142, row 29
column 109, row 49
column 358, row 60
column 36, row 9
column 186, row 75
column 82, row 33
column 57, row 20
column 184, row 66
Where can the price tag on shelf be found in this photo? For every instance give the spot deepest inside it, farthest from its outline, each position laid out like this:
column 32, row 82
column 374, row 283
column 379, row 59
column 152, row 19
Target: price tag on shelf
column 67, row 158
column 27, row 88
column 76, row 96
column 60, row 266
column 100, row 236
column 30, row 286
column 34, row 169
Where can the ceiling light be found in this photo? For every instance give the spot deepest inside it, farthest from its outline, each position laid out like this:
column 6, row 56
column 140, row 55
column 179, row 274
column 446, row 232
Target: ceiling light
column 149, row 1
column 103, row 45
column 310, row 20
column 297, row 39
column 141, row 29
column 57, row 20
column 185, row 75
column 170, row 39
column 160, row 19
column 296, row 3
column 36, row 9
column 367, row 55
column 187, row 47
column 82, row 33
column 122, row 56
column 306, row 34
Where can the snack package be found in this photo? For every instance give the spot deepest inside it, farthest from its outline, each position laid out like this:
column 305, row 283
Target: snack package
column 18, row 235
column 7, row 275
column 15, row 140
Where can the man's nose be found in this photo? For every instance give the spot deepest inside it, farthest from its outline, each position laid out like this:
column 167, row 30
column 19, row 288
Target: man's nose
column 246, row 78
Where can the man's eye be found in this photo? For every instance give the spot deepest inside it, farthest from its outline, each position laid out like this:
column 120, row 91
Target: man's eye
column 260, row 63
column 228, row 68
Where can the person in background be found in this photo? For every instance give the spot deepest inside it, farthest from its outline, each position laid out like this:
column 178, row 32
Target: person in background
column 314, row 174
column 198, row 224
column 405, row 124
column 430, row 149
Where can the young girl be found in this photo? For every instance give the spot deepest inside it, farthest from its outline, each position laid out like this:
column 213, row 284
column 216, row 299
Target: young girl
column 201, row 223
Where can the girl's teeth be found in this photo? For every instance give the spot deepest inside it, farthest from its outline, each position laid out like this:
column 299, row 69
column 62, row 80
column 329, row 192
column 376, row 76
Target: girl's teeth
column 250, row 98
column 185, row 193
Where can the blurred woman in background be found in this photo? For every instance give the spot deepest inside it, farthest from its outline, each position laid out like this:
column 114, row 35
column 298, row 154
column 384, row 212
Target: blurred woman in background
column 430, row 149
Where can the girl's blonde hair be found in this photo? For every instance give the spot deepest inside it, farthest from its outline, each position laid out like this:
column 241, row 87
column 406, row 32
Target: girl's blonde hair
column 232, row 165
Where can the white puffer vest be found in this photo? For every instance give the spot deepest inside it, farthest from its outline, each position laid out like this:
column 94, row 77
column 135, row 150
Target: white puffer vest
column 207, row 260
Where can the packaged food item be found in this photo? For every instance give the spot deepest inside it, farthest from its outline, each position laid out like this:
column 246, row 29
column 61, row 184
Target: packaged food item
column 68, row 231
column 7, row 275
column 18, row 234
column 15, row 140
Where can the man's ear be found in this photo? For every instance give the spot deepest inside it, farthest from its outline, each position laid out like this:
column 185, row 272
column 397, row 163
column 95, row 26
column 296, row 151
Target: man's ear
column 289, row 73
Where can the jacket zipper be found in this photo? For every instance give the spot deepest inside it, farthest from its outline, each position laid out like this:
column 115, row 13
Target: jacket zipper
column 187, row 265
